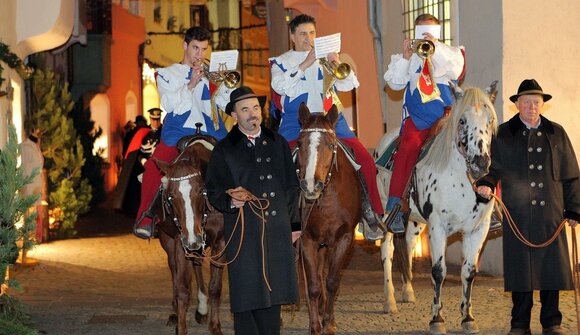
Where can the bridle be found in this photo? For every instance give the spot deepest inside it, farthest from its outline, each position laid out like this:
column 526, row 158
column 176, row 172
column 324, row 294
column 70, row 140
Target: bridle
column 334, row 163
column 169, row 212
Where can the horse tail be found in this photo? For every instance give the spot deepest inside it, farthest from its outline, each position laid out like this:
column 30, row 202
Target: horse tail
column 401, row 256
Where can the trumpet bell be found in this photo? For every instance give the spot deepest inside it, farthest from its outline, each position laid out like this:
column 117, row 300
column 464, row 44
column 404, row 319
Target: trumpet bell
column 231, row 79
column 342, row 71
column 423, row 48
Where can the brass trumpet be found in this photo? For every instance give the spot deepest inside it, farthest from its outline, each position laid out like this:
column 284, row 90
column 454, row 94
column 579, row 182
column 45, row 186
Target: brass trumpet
column 337, row 70
column 423, row 48
column 229, row 78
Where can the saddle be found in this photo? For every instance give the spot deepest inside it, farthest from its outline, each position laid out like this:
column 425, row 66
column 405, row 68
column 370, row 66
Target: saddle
column 386, row 160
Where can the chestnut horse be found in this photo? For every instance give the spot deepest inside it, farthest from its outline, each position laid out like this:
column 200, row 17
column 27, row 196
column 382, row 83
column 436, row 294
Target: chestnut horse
column 331, row 208
column 189, row 224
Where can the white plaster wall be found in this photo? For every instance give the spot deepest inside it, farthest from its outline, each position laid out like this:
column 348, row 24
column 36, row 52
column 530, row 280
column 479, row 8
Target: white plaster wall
column 43, row 25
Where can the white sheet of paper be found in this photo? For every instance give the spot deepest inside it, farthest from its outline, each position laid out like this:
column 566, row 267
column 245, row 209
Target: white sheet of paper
column 326, row 44
column 434, row 30
column 227, row 58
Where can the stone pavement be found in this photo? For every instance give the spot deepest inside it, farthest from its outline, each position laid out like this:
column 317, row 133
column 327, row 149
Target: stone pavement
column 109, row 282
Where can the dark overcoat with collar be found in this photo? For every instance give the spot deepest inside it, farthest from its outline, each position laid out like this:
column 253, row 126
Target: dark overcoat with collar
column 540, row 187
column 266, row 170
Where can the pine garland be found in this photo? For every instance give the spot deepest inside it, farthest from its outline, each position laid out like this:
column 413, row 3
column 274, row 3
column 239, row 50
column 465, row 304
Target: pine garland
column 13, row 62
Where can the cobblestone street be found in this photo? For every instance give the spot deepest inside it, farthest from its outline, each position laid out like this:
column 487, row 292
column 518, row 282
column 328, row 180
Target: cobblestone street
column 109, row 282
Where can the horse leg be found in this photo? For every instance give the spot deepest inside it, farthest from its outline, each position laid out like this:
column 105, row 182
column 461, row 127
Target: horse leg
column 215, row 293
column 202, row 308
column 168, row 244
column 183, row 281
column 313, row 280
column 337, row 259
column 437, row 245
column 387, row 249
column 414, row 230
column 472, row 244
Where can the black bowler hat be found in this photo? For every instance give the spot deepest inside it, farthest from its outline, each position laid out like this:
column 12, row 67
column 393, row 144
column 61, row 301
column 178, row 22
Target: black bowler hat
column 530, row 86
column 155, row 113
column 242, row 93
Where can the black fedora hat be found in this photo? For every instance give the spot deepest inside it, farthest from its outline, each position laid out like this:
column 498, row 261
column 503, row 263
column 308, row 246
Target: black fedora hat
column 530, row 86
column 243, row 93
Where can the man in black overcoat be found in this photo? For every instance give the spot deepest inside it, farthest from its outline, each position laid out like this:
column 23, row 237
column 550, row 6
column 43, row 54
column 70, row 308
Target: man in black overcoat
column 535, row 162
column 263, row 276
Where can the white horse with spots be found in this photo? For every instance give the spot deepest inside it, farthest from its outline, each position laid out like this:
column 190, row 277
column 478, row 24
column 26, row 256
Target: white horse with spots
column 442, row 197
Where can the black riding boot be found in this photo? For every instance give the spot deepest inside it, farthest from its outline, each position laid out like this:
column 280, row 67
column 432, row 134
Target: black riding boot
column 148, row 231
column 376, row 230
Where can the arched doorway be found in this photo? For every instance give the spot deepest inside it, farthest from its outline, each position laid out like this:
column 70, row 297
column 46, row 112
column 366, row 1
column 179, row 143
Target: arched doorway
column 131, row 105
column 101, row 114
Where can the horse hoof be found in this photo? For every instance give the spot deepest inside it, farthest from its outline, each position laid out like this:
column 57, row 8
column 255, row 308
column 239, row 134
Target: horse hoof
column 200, row 318
column 409, row 297
column 390, row 308
column 470, row 327
column 172, row 320
column 437, row 328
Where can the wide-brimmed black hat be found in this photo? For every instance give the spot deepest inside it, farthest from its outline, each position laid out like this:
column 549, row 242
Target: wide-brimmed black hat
column 243, row 93
column 155, row 113
column 530, row 86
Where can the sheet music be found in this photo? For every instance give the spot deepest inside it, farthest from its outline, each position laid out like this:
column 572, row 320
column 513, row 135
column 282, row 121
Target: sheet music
column 228, row 60
column 434, row 30
column 326, row 44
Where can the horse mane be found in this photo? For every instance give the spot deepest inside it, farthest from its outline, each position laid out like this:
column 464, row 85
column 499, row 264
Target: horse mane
column 439, row 154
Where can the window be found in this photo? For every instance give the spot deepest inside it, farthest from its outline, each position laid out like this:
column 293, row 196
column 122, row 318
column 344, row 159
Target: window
column 439, row 8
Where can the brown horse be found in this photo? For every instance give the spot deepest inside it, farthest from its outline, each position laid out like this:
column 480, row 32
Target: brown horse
column 331, row 208
column 189, row 224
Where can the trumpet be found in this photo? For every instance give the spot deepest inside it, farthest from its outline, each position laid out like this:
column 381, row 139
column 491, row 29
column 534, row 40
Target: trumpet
column 338, row 70
column 423, row 48
column 229, row 78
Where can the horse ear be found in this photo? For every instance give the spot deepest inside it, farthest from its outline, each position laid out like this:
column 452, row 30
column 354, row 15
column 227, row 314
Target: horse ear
column 303, row 113
column 163, row 166
column 332, row 115
column 491, row 91
column 457, row 91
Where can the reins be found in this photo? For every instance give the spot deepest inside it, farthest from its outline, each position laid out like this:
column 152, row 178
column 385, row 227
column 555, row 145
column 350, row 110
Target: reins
column 513, row 226
column 257, row 205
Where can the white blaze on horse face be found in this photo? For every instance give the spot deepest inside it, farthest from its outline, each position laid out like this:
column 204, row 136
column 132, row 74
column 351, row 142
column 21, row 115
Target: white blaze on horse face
column 185, row 189
column 312, row 160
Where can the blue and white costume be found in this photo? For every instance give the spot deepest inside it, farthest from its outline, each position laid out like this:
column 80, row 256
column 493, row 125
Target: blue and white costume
column 447, row 64
column 296, row 86
column 186, row 107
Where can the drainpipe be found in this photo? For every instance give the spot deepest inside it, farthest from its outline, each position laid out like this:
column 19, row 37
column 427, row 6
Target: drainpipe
column 375, row 11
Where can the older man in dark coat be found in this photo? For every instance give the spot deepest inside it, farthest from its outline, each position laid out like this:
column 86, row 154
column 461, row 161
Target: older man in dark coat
column 262, row 277
column 535, row 162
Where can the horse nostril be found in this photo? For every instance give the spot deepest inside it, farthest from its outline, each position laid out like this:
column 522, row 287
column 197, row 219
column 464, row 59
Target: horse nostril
column 319, row 186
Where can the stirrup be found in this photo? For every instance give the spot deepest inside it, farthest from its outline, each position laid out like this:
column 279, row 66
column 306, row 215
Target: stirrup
column 397, row 220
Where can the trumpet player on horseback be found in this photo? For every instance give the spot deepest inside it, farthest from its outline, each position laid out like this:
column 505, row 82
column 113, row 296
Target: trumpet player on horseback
column 299, row 77
column 423, row 70
column 185, row 95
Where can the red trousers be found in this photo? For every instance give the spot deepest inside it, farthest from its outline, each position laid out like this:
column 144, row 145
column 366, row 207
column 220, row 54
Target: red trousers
column 152, row 175
column 368, row 170
column 411, row 142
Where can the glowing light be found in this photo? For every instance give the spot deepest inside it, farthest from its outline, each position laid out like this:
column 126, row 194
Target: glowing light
column 148, row 74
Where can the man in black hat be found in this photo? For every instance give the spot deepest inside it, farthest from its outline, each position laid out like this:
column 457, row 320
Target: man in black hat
column 262, row 275
column 535, row 162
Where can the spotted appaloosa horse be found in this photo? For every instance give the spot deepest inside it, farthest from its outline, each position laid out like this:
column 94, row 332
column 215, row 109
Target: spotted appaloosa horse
column 443, row 198
column 331, row 209
column 188, row 224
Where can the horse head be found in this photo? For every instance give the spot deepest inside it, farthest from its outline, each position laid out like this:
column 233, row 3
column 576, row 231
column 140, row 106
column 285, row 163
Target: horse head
column 475, row 119
column 317, row 145
column 184, row 197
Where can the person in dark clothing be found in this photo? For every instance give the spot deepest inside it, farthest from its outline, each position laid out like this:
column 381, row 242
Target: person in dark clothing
column 262, row 277
column 536, row 164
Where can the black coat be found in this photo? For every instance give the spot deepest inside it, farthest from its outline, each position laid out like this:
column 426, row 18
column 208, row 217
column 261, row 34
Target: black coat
column 540, row 187
column 267, row 171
